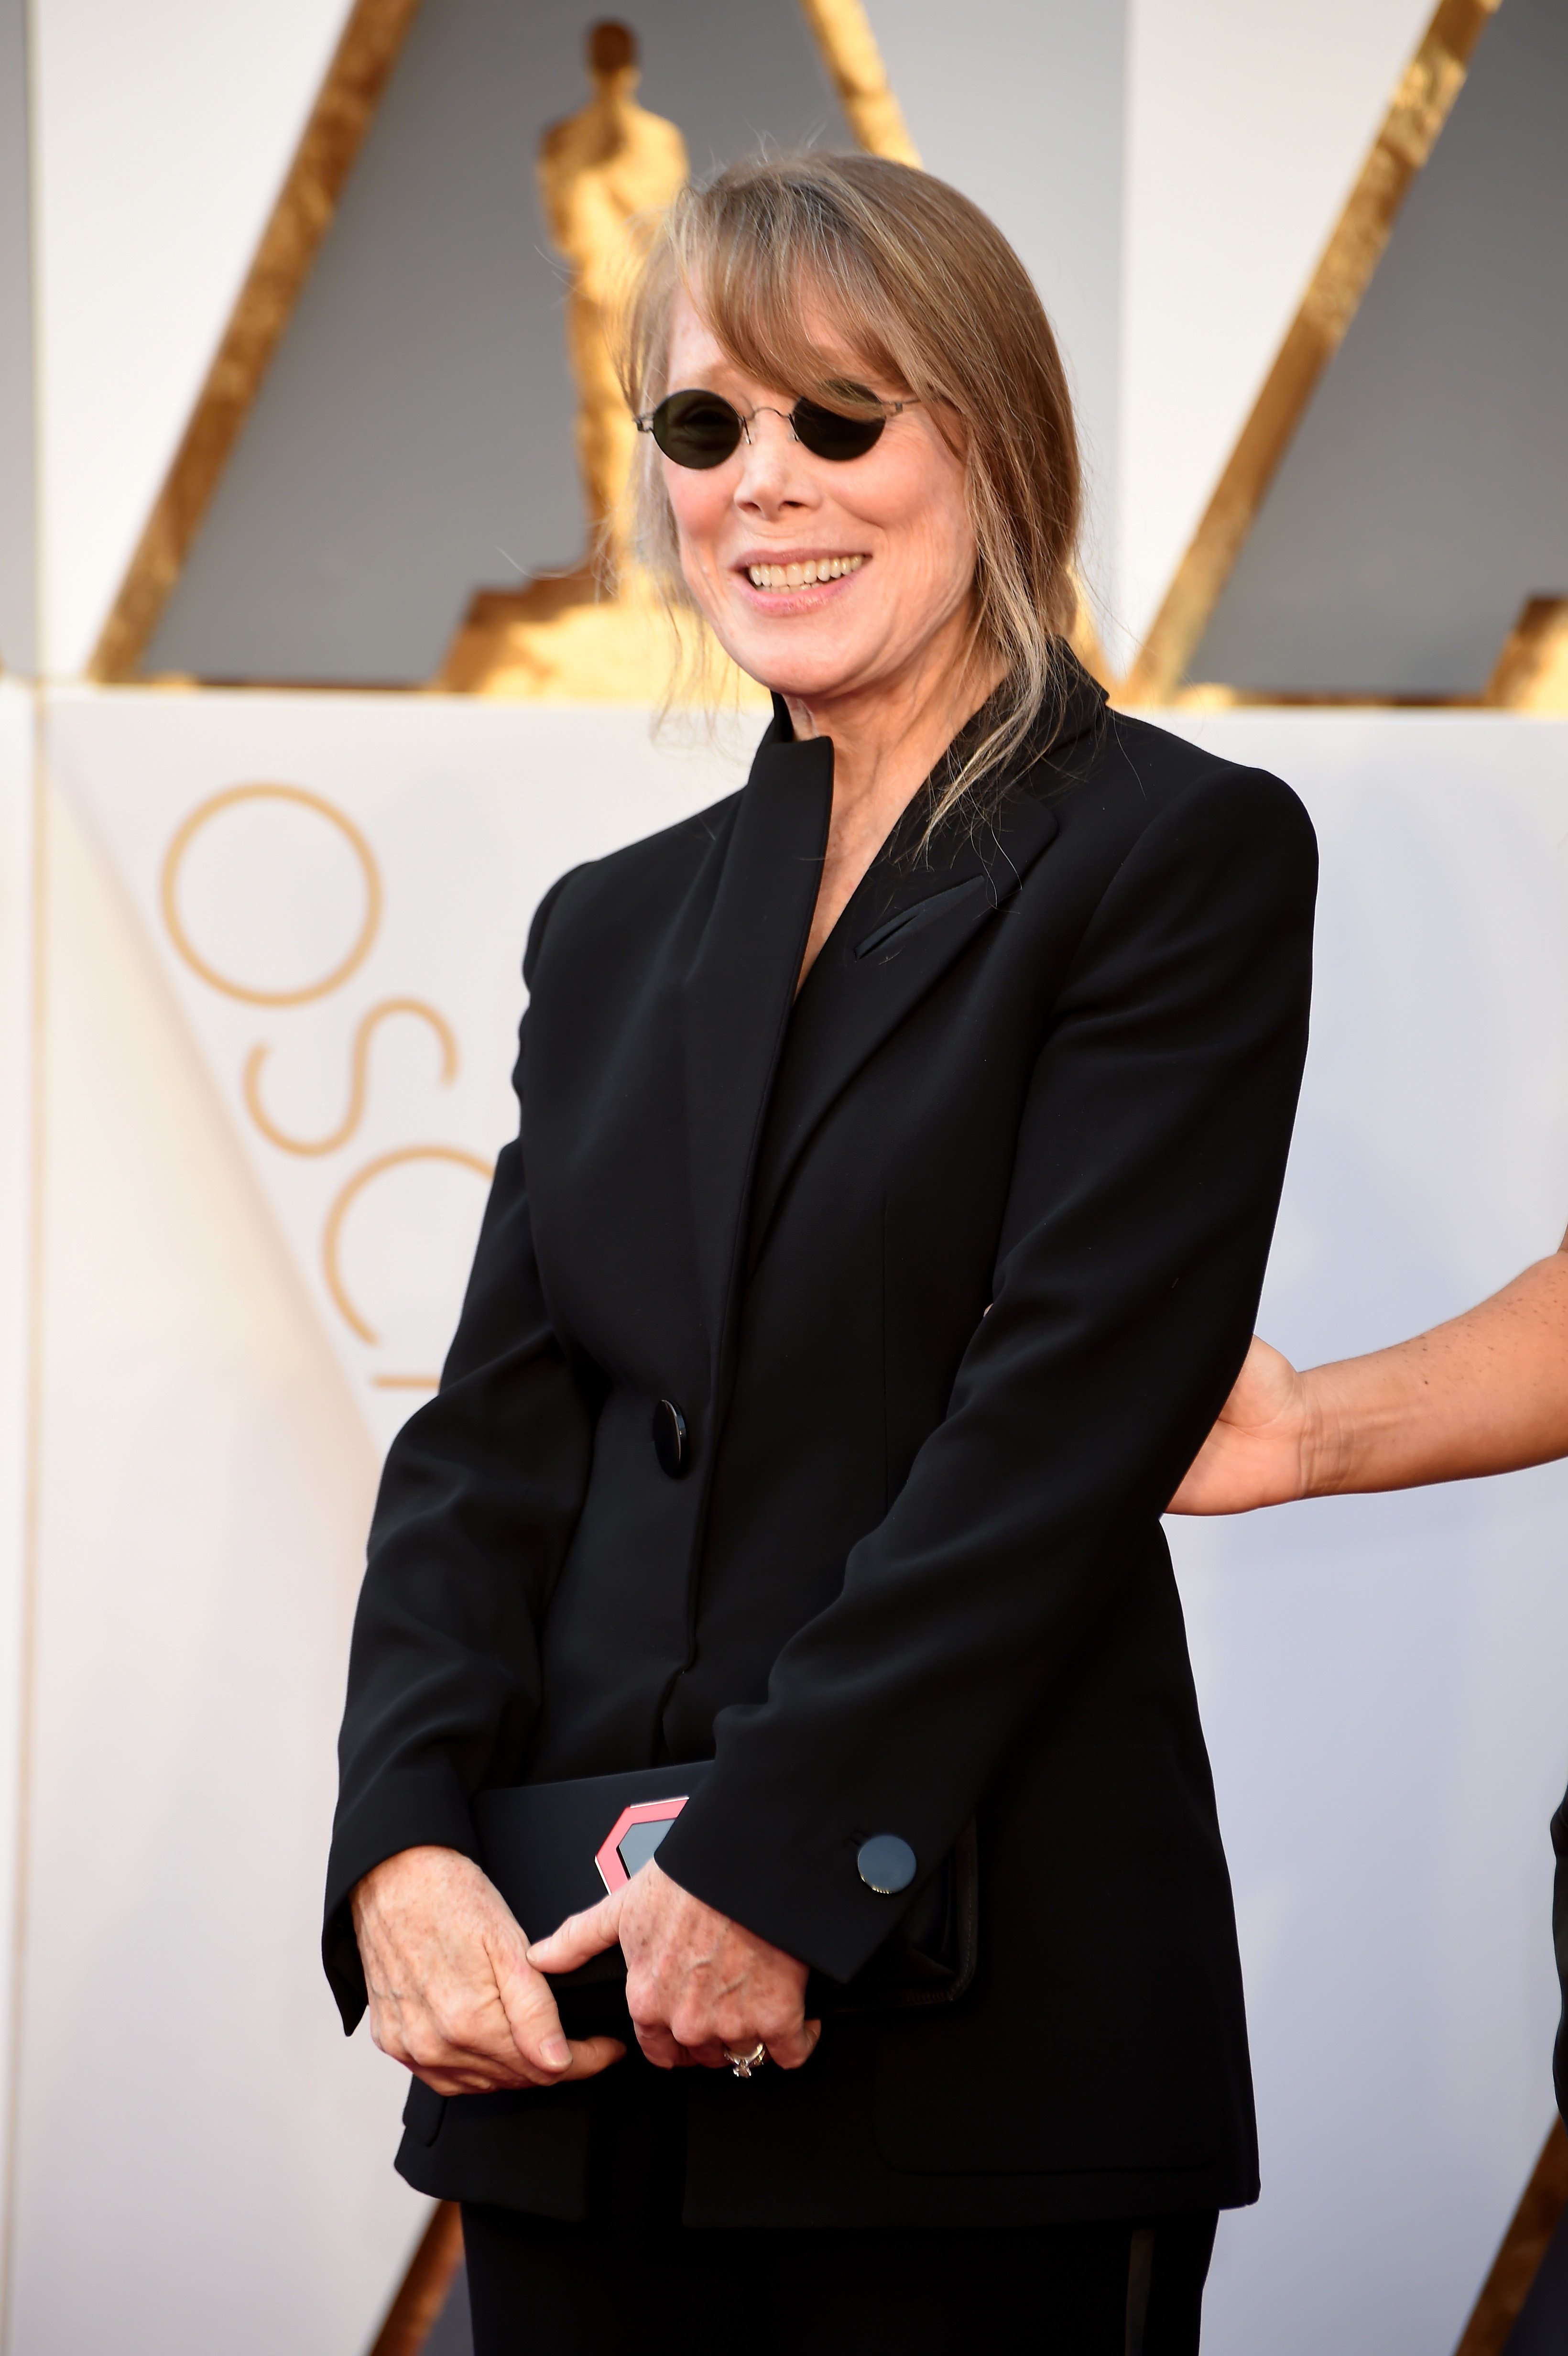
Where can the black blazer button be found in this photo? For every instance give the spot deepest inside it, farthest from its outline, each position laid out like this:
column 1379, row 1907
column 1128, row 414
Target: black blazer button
column 671, row 1445
column 885, row 1863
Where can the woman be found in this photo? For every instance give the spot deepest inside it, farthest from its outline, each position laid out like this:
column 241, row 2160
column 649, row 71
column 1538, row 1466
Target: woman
column 897, row 1137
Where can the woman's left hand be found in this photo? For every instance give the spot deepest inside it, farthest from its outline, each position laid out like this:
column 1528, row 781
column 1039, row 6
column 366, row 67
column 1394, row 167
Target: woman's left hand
column 696, row 1983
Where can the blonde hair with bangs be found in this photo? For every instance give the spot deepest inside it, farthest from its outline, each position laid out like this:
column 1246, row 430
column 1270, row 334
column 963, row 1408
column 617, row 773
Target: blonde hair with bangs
column 926, row 294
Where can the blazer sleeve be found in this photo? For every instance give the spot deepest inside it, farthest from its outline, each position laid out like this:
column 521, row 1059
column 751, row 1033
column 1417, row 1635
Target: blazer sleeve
column 479, row 1496
column 1150, row 1157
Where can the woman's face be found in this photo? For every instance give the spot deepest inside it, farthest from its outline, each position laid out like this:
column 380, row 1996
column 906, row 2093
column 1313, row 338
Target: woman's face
column 897, row 517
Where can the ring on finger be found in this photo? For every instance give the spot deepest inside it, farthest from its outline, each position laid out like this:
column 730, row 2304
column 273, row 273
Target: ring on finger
column 743, row 2064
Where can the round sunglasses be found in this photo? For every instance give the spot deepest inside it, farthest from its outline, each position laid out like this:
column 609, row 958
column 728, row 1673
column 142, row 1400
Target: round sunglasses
column 701, row 429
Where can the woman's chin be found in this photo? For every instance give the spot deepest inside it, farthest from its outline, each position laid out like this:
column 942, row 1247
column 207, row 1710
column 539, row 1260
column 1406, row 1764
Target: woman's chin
column 809, row 672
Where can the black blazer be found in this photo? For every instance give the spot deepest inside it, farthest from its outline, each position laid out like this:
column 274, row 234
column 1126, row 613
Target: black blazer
column 948, row 1265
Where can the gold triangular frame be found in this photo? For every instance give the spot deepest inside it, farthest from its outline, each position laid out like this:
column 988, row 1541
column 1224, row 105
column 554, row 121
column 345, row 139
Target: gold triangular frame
column 345, row 108
column 1420, row 107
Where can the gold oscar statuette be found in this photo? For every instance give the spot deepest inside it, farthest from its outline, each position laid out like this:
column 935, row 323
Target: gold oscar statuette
column 594, row 633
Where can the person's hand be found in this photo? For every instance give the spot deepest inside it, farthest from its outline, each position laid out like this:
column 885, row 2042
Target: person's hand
column 452, row 1995
column 1259, row 1450
column 696, row 1981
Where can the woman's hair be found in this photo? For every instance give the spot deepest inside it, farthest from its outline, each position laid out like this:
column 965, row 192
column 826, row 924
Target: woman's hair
column 914, row 283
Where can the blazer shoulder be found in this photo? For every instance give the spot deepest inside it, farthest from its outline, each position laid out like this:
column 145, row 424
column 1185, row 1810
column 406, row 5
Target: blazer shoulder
column 645, row 874
column 1137, row 773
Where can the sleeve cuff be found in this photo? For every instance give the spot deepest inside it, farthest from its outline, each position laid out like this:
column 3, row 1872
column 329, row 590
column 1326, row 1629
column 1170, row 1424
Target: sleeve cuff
column 798, row 1886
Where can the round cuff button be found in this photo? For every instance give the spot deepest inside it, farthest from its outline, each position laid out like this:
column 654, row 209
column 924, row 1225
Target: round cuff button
column 671, row 1445
column 886, row 1864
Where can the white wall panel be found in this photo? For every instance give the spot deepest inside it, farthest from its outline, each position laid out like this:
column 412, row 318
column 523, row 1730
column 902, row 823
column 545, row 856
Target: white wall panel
column 17, row 554
column 201, row 2157
column 161, row 134
column 17, row 1020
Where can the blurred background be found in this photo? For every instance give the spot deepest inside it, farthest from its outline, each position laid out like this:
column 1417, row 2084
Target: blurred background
column 298, row 460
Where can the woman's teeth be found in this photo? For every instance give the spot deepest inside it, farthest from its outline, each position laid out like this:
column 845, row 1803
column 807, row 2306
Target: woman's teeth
column 802, row 576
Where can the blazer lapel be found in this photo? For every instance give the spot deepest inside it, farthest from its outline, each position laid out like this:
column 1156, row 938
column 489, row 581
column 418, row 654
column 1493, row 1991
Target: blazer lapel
column 881, row 961
column 900, row 932
column 738, row 991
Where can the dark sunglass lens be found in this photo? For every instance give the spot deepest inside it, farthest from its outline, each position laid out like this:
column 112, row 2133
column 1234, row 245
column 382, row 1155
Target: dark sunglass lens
column 696, row 429
column 831, row 434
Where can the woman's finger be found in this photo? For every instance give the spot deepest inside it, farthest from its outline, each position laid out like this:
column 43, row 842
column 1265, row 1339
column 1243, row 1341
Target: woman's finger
column 591, row 2054
column 665, row 2052
column 532, row 2017
column 795, row 2046
column 580, row 1937
column 587, row 2059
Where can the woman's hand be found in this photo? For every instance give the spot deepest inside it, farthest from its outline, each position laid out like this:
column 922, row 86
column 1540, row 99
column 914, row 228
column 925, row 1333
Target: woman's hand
column 1260, row 1451
column 696, row 1981
column 452, row 1997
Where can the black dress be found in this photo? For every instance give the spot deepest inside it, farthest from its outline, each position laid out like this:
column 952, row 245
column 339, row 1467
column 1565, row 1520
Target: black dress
column 945, row 1268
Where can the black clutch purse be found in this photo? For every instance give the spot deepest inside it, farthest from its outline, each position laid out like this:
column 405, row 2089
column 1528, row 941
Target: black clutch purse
column 553, row 1849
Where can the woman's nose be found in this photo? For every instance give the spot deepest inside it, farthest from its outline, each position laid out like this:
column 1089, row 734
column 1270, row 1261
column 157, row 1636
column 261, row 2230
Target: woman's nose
column 773, row 475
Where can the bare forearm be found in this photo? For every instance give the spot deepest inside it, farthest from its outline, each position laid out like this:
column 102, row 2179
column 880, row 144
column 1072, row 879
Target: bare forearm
column 1486, row 1393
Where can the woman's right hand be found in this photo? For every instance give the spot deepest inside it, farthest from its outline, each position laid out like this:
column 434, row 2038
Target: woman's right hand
column 452, row 1995
column 1260, row 1449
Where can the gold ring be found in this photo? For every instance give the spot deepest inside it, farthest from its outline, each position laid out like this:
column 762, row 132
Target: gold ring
column 743, row 2064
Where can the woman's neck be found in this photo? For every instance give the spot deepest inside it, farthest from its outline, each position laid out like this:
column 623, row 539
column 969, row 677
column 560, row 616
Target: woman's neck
column 887, row 739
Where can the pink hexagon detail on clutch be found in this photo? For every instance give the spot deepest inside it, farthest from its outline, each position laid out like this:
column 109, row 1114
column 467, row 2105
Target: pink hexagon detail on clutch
column 613, row 1870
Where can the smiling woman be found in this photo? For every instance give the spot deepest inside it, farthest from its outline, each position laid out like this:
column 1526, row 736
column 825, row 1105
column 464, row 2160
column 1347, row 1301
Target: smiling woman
column 866, row 288
column 900, row 1148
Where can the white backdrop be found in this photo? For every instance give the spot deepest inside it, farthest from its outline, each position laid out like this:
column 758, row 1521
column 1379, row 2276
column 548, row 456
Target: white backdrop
column 1380, row 1678
column 17, row 1332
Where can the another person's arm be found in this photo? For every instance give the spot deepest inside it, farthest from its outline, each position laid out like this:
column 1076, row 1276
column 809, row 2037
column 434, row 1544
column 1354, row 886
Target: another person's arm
column 1487, row 1392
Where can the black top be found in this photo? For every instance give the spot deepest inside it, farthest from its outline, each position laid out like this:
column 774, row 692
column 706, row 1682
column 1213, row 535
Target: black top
column 942, row 1270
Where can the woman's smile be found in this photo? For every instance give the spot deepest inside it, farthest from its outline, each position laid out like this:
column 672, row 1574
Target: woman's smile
column 780, row 579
